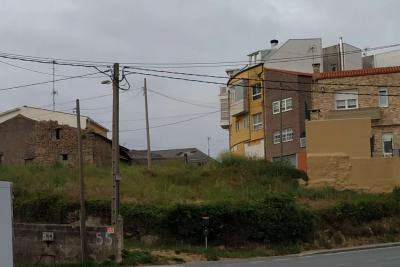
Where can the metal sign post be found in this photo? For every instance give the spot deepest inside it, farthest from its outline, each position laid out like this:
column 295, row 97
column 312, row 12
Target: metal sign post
column 206, row 220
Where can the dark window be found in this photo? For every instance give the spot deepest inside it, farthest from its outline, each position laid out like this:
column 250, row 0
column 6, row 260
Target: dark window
column 1, row 158
column 256, row 91
column 28, row 161
column 64, row 156
column 58, row 134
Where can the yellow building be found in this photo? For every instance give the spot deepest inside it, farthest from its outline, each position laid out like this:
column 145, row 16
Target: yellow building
column 244, row 100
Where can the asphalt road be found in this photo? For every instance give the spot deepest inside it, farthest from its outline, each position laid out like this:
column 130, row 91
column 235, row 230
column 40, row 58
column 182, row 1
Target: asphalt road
column 383, row 257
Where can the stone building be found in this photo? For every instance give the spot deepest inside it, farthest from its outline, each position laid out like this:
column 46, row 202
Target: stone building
column 364, row 93
column 51, row 138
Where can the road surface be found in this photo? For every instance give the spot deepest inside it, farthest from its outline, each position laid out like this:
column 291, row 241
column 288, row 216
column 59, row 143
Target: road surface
column 383, row 257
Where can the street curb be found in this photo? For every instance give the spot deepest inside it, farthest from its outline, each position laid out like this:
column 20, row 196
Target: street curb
column 349, row 249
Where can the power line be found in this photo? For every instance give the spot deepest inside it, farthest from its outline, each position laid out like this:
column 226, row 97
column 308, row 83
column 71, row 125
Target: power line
column 257, row 80
column 160, row 117
column 181, row 100
column 270, row 88
column 91, row 63
column 40, row 72
column 46, row 82
column 173, row 123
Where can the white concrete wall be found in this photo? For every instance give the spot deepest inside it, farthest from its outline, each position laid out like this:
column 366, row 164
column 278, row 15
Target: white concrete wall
column 296, row 48
column 387, row 59
column 254, row 150
column 352, row 59
column 6, row 230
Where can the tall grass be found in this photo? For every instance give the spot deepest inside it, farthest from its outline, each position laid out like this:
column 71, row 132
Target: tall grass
column 230, row 179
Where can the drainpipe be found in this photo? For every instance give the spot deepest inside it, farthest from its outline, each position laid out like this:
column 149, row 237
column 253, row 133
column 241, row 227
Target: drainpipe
column 341, row 53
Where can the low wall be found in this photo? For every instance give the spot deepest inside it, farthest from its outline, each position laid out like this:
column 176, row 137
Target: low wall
column 62, row 245
column 342, row 172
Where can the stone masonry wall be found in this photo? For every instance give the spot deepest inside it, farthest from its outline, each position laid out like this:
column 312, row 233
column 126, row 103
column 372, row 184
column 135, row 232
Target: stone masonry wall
column 390, row 116
column 62, row 245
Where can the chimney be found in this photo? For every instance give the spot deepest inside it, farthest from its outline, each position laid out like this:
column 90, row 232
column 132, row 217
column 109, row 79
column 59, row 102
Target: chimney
column 274, row 44
column 316, row 67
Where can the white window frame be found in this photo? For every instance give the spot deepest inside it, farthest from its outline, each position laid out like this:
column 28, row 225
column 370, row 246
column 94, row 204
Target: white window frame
column 277, row 137
column 276, row 107
column 256, row 96
column 384, row 96
column 345, row 96
column 237, row 125
column 257, row 125
column 283, row 105
column 246, row 122
column 387, row 137
column 287, row 136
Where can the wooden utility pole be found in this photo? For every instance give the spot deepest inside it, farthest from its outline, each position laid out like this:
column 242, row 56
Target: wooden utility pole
column 147, row 126
column 281, row 120
column 208, row 145
column 82, row 216
column 115, row 147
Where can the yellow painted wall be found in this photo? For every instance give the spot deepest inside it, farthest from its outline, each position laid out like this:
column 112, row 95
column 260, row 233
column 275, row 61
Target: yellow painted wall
column 245, row 135
column 348, row 136
column 338, row 155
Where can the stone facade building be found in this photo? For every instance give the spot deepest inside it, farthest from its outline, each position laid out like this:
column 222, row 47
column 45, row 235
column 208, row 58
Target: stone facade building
column 365, row 93
column 26, row 140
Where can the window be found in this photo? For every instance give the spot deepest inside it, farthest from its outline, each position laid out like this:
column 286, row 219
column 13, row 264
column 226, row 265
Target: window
column 287, row 136
column 57, row 134
column 277, row 137
column 64, row 157
column 239, row 90
column 256, row 91
column 346, row 99
column 383, row 98
column 257, row 121
column 276, row 107
column 237, row 126
column 287, row 105
column 1, row 158
column 246, row 121
column 387, row 144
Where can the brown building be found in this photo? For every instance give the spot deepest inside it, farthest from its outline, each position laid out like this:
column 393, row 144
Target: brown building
column 292, row 95
column 26, row 140
column 365, row 93
column 265, row 110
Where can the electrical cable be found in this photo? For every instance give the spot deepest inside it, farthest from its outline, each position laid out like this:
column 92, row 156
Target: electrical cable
column 46, row 82
column 180, row 100
column 173, row 123
column 257, row 80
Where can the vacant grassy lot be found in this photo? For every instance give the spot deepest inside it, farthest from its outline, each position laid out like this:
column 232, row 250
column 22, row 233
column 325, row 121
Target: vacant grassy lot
column 233, row 179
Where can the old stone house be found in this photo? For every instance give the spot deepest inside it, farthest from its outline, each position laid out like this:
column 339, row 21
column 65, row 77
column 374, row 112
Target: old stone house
column 38, row 136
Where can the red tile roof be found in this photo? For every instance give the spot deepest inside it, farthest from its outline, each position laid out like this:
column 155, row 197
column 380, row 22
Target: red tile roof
column 353, row 73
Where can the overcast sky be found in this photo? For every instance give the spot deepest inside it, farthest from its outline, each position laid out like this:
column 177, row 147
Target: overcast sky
column 167, row 31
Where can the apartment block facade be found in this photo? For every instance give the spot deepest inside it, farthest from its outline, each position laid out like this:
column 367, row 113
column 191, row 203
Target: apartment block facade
column 264, row 111
column 365, row 93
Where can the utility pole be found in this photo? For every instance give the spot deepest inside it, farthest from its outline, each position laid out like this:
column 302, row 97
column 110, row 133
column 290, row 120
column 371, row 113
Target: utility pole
column 54, row 92
column 281, row 120
column 115, row 146
column 147, row 126
column 82, row 216
column 208, row 145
